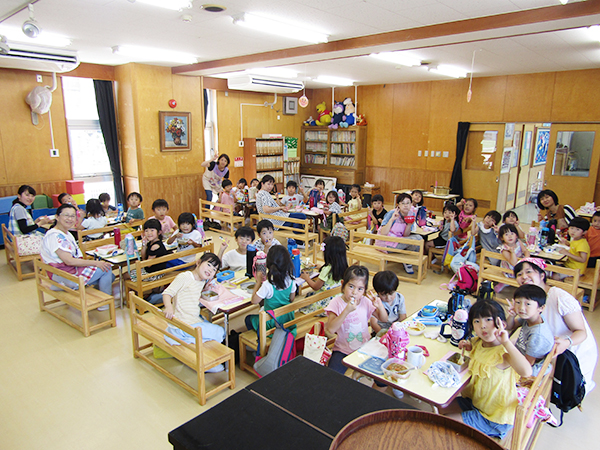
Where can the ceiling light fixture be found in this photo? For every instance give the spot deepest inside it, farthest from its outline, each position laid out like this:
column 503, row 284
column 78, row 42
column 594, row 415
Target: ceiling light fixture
column 273, row 72
column 153, row 54
column 44, row 38
column 448, row 71
column 594, row 32
column 564, row 2
column 175, row 5
column 397, row 58
column 30, row 27
column 279, row 28
column 334, row 80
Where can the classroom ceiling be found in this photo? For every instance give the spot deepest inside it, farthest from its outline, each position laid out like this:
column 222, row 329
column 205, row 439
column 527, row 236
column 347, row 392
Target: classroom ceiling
column 556, row 39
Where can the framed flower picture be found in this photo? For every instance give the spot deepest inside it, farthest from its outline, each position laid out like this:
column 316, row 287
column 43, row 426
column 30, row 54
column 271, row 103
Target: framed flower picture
column 175, row 131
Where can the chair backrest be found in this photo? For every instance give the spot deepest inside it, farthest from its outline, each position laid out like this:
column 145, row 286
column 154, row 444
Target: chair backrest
column 225, row 213
column 380, row 241
column 43, row 273
column 304, row 223
column 357, row 216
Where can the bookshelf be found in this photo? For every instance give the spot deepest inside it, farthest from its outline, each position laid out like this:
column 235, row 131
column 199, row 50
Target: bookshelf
column 334, row 153
column 271, row 156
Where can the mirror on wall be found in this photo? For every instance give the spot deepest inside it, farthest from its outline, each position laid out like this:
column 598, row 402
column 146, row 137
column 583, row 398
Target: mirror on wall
column 573, row 153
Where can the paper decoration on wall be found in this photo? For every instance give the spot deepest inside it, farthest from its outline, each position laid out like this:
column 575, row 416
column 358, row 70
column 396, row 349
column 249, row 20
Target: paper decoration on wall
column 238, row 161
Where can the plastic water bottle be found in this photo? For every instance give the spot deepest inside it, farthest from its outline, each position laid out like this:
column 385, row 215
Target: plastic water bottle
column 532, row 238
column 292, row 246
column 544, row 237
column 250, row 254
column 342, row 196
column 130, row 248
column 296, row 261
column 119, row 211
column 200, row 227
column 117, row 233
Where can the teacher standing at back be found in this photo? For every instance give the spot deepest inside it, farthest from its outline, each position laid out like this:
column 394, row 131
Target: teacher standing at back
column 216, row 171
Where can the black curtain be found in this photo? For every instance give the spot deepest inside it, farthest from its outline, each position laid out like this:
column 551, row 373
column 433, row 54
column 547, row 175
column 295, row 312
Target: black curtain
column 456, row 183
column 108, row 123
column 205, row 106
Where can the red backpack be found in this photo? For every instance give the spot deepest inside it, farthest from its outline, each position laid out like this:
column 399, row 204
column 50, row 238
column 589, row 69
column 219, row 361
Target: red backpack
column 467, row 278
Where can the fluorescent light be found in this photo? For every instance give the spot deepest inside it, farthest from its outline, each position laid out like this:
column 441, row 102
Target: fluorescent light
column 448, row 71
column 564, row 2
column 397, row 58
column 274, row 72
column 175, row 5
column 594, row 32
column 333, row 80
column 153, row 54
column 44, row 38
column 279, row 28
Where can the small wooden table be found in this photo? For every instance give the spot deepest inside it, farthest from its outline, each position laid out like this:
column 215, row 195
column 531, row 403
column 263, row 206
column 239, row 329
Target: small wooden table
column 418, row 384
column 426, row 194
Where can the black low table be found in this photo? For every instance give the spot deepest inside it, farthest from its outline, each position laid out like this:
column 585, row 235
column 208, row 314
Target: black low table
column 301, row 405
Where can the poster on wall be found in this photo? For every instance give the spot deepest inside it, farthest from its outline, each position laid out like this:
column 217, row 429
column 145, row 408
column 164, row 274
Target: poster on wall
column 526, row 149
column 506, row 158
column 509, row 131
column 175, row 131
column 542, row 140
column 516, row 147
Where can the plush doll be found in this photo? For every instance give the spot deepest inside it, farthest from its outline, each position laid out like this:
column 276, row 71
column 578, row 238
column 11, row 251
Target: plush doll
column 361, row 120
column 310, row 122
column 338, row 113
column 349, row 111
column 324, row 115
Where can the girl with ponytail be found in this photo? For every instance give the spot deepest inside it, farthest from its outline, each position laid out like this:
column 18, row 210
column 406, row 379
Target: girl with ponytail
column 278, row 289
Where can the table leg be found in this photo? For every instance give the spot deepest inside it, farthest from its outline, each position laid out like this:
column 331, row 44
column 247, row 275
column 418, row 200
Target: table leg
column 226, row 324
column 121, row 284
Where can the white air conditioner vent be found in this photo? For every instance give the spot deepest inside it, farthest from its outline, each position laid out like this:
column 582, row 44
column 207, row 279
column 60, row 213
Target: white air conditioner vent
column 258, row 83
column 29, row 57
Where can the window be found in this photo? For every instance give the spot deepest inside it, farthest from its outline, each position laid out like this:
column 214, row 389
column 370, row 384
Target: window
column 89, row 159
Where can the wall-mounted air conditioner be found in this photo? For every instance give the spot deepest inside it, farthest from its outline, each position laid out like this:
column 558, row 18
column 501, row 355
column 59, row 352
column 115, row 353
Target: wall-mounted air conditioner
column 43, row 59
column 259, row 83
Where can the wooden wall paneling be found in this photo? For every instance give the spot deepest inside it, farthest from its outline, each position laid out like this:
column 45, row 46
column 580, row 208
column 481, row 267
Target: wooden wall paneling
column 447, row 98
column 181, row 192
column 410, row 128
column 375, row 103
column 94, row 71
column 487, row 101
column 132, row 184
column 529, row 97
column 46, row 187
column 576, row 96
column 2, row 165
column 126, row 121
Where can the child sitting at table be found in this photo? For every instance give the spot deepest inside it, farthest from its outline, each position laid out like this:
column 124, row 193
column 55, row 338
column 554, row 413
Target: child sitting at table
column 236, row 259
column 105, row 201
column 579, row 249
column 512, row 249
column 468, row 213
column 160, row 208
column 152, row 247
column 355, row 202
column 489, row 401
column 487, row 233
column 376, row 211
column 448, row 225
column 385, row 284
column 293, row 198
column 593, row 238
column 253, row 189
column 239, row 191
column 188, row 237
column 512, row 218
column 278, row 289
column 419, row 211
column 181, row 302
column 332, row 207
column 317, row 193
column 535, row 339
column 265, row 240
column 135, row 212
column 95, row 218
column 348, row 316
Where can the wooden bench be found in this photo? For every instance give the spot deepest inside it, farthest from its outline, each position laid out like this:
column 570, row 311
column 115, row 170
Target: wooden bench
column 225, row 216
column 381, row 255
column 303, row 234
column 13, row 259
column 84, row 298
column 150, row 323
column 358, row 221
column 590, row 280
column 141, row 284
column 303, row 322
column 522, row 437
column 488, row 271
column 108, row 236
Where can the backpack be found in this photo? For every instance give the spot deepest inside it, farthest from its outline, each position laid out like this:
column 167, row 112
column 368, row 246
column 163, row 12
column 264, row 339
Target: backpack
column 568, row 387
column 340, row 230
column 281, row 351
column 467, row 278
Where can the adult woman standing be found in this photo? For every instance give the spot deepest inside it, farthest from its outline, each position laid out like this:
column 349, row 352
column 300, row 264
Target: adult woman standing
column 265, row 204
column 216, row 171
column 547, row 202
column 20, row 221
column 563, row 314
column 60, row 250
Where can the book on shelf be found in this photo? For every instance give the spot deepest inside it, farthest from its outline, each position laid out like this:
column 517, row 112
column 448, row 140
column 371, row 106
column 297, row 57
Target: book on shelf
column 343, row 136
column 269, row 147
column 268, row 162
column 347, row 161
column 315, row 159
column 315, row 135
column 346, row 149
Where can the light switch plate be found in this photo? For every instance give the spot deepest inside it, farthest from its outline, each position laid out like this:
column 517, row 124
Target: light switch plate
column 241, row 143
column 419, row 153
column 54, row 153
column 426, row 153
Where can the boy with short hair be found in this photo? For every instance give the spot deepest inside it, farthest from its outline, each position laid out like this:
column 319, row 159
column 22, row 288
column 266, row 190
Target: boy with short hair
column 487, row 232
column 511, row 218
column 235, row 259
column 105, row 201
column 535, row 340
column 593, row 238
column 265, row 239
column 385, row 284
column 160, row 208
column 135, row 212
column 376, row 211
column 579, row 249
column 293, row 198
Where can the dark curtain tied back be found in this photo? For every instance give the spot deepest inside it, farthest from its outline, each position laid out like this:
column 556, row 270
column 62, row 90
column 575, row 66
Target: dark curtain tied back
column 108, row 123
column 456, row 182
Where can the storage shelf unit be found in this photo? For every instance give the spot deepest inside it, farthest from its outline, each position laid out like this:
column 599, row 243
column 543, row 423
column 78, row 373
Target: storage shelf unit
column 266, row 156
column 334, row 153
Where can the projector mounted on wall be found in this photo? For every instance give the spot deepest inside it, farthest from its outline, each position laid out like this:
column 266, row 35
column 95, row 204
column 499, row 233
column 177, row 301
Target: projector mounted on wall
column 260, row 83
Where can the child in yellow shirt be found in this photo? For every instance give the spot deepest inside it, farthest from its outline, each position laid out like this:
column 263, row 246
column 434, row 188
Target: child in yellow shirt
column 579, row 249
